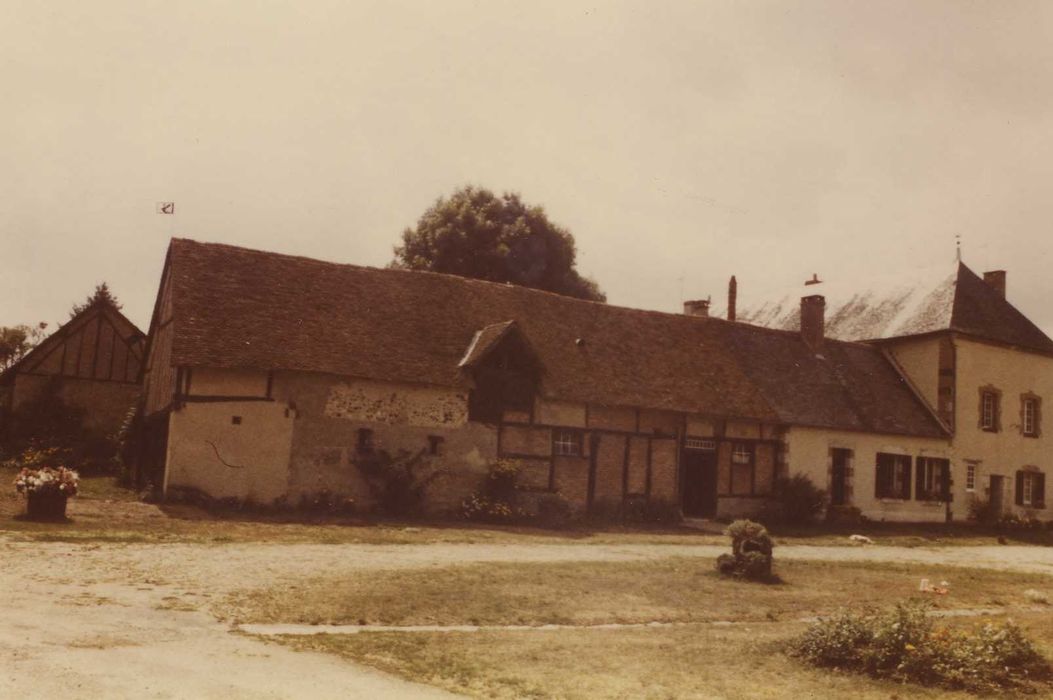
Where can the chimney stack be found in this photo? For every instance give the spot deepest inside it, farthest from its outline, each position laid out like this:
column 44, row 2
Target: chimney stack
column 996, row 279
column 733, row 294
column 697, row 307
column 815, row 280
column 813, row 321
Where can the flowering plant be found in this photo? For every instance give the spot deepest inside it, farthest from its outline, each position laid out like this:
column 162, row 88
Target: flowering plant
column 47, row 481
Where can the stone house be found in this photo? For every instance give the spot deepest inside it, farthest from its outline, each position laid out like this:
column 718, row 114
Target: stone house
column 91, row 363
column 270, row 376
column 980, row 365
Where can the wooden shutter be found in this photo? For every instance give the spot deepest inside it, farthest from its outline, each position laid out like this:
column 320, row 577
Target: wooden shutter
column 882, row 476
column 1020, row 488
column 945, row 485
column 906, row 479
column 1038, row 491
column 919, row 479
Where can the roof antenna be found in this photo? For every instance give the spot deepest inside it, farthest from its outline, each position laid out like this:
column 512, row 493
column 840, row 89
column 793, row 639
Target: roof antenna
column 958, row 245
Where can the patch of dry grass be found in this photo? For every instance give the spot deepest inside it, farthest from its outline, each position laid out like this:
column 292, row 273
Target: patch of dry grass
column 689, row 662
column 743, row 660
column 666, row 590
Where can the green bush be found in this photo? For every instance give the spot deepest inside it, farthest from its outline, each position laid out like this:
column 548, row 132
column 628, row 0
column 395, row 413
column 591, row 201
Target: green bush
column 981, row 511
column 798, row 501
column 398, row 482
column 751, row 552
column 498, row 500
column 903, row 644
column 554, row 511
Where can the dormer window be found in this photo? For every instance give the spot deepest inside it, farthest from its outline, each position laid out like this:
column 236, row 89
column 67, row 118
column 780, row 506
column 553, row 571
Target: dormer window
column 503, row 370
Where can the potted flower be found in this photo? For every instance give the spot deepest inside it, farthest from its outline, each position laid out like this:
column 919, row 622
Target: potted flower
column 46, row 490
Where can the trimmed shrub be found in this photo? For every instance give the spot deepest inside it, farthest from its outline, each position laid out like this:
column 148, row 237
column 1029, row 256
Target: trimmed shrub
column 751, row 552
column 798, row 501
column 903, row 644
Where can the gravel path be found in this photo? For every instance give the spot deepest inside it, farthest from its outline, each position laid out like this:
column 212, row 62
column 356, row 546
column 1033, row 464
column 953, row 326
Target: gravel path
column 125, row 620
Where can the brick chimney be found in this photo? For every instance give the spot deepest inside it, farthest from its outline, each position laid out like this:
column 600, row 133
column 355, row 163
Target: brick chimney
column 996, row 279
column 733, row 295
column 697, row 307
column 813, row 320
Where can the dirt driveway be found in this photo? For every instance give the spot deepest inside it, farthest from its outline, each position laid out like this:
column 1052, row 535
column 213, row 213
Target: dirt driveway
column 128, row 620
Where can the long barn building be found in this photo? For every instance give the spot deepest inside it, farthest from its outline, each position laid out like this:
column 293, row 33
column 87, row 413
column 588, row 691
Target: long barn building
column 270, row 377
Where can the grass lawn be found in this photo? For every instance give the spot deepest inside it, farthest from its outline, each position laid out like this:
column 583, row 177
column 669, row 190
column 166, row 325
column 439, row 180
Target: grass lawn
column 666, row 590
column 104, row 512
column 740, row 660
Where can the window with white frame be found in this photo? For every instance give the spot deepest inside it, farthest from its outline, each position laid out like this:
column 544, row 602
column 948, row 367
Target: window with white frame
column 989, row 410
column 970, row 477
column 1031, row 488
column 1029, row 416
column 892, row 477
column 742, row 453
column 933, row 479
column 566, row 443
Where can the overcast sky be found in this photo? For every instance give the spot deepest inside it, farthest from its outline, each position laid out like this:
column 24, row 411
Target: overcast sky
column 679, row 142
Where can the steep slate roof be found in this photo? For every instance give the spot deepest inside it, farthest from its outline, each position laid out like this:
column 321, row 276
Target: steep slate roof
column 240, row 308
column 927, row 301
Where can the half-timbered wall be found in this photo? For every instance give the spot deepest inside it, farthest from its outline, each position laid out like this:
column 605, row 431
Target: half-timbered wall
column 92, row 363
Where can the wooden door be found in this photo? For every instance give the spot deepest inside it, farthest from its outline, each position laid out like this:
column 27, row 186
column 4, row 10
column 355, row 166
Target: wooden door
column 995, row 497
column 699, row 490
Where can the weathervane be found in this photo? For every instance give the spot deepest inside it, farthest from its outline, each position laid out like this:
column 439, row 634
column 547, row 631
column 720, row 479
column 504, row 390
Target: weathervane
column 958, row 245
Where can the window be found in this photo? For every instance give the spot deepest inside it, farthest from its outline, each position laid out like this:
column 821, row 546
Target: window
column 365, row 441
column 434, row 444
column 970, row 477
column 934, row 479
column 1029, row 415
column 892, row 477
column 235, row 420
column 989, row 410
column 566, row 442
column 1031, row 489
column 742, row 469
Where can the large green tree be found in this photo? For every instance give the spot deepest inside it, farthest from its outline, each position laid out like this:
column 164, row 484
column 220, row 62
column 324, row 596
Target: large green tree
column 474, row 233
column 16, row 341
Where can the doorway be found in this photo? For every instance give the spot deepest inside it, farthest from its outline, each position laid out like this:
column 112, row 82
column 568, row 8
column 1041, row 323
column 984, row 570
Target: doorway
column 995, row 495
column 839, row 459
column 699, row 492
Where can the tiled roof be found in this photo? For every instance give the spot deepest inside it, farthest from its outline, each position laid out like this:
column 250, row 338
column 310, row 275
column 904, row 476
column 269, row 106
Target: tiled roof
column 923, row 301
column 484, row 341
column 128, row 331
column 240, row 308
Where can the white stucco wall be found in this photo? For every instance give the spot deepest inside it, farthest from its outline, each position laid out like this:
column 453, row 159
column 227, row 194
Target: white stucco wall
column 1013, row 373
column 247, row 461
column 809, row 454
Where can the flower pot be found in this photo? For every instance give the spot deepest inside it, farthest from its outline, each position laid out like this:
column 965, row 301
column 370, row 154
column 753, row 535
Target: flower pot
column 46, row 506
